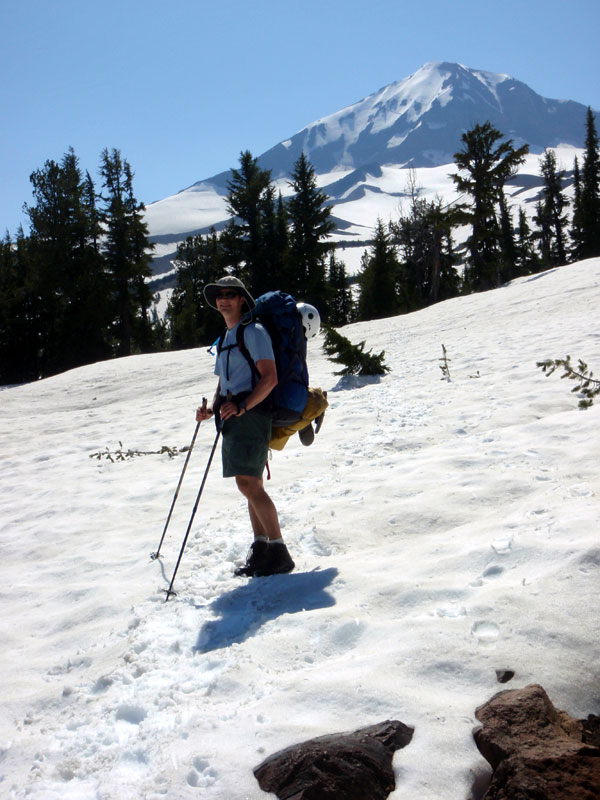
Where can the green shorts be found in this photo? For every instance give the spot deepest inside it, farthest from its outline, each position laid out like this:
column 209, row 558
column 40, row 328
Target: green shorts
column 246, row 444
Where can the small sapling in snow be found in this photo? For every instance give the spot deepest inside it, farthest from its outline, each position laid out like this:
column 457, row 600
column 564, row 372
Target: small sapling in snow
column 340, row 350
column 445, row 365
column 123, row 455
column 585, row 383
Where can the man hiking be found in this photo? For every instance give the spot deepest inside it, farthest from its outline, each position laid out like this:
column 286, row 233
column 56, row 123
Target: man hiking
column 246, row 422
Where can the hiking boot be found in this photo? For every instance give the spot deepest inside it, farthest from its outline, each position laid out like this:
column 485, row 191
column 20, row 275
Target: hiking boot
column 277, row 560
column 256, row 558
column 307, row 435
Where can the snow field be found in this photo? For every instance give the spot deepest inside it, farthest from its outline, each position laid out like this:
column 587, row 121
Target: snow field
column 441, row 531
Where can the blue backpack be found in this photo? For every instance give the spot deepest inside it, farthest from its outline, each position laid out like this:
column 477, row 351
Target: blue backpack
column 277, row 312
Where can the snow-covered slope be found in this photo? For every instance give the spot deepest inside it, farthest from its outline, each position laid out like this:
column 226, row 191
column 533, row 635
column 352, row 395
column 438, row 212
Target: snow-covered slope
column 441, row 531
column 361, row 198
column 362, row 153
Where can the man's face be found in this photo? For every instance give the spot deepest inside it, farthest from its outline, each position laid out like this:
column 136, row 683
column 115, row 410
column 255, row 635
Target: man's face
column 229, row 301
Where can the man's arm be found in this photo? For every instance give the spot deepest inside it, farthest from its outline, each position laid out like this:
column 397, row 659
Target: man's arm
column 267, row 382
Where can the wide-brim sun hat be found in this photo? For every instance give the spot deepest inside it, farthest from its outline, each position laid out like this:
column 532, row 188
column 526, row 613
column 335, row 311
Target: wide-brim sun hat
column 227, row 282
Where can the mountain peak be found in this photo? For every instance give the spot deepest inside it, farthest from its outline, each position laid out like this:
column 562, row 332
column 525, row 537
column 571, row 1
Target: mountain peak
column 414, row 122
column 419, row 121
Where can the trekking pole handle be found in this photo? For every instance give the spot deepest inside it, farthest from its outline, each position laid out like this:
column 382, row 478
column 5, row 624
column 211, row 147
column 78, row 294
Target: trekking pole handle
column 203, row 412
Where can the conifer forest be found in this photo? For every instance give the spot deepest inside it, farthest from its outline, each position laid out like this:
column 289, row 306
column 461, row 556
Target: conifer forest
column 76, row 287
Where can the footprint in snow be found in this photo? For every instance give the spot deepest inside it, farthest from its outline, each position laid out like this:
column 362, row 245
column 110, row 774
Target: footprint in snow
column 451, row 611
column 502, row 544
column 201, row 775
column 132, row 714
column 487, row 633
column 493, row 571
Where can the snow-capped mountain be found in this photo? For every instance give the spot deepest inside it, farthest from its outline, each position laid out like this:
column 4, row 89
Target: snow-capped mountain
column 362, row 152
column 418, row 122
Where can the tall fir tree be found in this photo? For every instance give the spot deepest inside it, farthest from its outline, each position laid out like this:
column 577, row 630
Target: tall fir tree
column 310, row 226
column 543, row 234
column 508, row 246
column 250, row 201
column 191, row 322
column 528, row 260
column 340, row 309
column 378, row 278
column 73, row 313
column 19, row 313
column 274, row 242
column 145, row 335
column 553, row 209
column 576, row 230
column 486, row 166
column 424, row 238
column 589, row 211
column 127, row 252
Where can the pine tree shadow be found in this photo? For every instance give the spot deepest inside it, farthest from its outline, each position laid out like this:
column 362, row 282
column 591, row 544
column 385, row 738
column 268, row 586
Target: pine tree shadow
column 242, row 612
column 355, row 382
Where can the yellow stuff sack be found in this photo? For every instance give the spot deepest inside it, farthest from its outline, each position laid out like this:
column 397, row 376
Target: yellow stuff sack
column 315, row 406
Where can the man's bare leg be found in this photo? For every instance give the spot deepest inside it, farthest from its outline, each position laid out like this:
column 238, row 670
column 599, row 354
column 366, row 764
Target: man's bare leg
column 262, row 511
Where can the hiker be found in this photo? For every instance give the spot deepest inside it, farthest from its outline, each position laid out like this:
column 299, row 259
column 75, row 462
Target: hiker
column 246, row 422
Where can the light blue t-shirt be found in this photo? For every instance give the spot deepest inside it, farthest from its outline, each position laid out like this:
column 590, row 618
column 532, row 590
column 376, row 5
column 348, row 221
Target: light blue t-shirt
column 234, row 372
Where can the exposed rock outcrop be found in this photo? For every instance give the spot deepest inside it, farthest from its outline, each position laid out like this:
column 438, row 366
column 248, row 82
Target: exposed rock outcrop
column 343, row 766
column 537, row 752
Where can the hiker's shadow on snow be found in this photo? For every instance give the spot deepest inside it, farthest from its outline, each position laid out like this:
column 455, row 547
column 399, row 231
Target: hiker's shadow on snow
column 242, row 612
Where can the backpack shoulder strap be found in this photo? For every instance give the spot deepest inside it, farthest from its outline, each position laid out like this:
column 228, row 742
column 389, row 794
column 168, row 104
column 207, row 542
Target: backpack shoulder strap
column 246, row 353
column 220, row 341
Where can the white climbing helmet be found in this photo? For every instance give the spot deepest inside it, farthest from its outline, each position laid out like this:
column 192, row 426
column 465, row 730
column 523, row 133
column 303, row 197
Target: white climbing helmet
column 311, row 319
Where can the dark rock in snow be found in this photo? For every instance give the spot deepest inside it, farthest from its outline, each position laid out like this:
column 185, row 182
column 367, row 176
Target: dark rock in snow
column 537, row 752
column 504, row 675
column 342, row 766
column 591, row 730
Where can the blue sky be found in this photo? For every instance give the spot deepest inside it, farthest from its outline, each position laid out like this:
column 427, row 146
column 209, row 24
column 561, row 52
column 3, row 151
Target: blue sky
column 181, row 87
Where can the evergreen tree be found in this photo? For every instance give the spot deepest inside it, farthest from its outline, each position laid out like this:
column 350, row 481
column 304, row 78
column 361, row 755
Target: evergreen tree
column 310, row 226
column 144, row 335
column 340, row 350
column 127, row 254
column 576, row 230
column 379, row 277
column 487, row 166
column 543, row 234
column 92, row 309
column 191, row 321
column 250, row 200
column 508, row 247
column 528, row 261
column 282, row 245
column 589, row 211
column 274, row 243
column 340, row 310
column 424, row 238
column 553, row 208
column 66, row 269
column 19, row 328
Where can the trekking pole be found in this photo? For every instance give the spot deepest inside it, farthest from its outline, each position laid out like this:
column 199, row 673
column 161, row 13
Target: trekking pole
column 155, row 555
column 170, row 591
